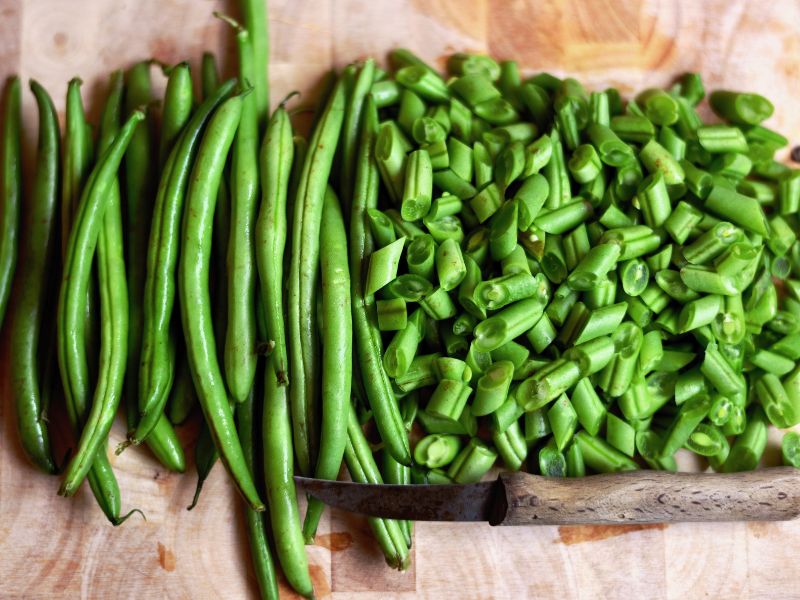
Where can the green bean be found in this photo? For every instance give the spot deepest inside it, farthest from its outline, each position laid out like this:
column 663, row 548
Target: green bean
column 494, row 294
column 240, row 336
column 178, row 100
column 93, row 229
column 748, row 447
column 420, row 256
column 472, row 462
column 673, row 142
column 563, row 218
column 648, row 444
column 691, row 414
column 157, row 356
column 530, row 199
column 385, row 93
column 563, row 421
column 29, row 385
column 790, row 449
column 512, row 321
column 547, row 384
column 617, row 375
column 418, row 188
column 718, row 372
column 140, row 171
column 690, row 88
column 194, row 293
column 632, row 128
column 603, row 293
column 740, row 108
column 557, row 174
column 620, row 435
column 552, row 463
column 255, row 522
column 383, row 264
column 593, row 267
column 301, row 299
column 392, row 315
column 486, row 202
column 337, row 351
column 77, row 157
column 437, row 450
column 781, row 411
column 585, row 165
column 12, row 190
column 789, row 192
column 276, row 161
column 281, row 495
column 367, row 336
column 511, row 446
column 254, row 15
column 657, row 159
column 363, row 469
column 492, row 389
column 602, row 457
column 721, row 138
column 575, row 464
column 591, row 411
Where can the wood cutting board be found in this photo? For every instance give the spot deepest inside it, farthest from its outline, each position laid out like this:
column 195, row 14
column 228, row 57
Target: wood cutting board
column 51, row 547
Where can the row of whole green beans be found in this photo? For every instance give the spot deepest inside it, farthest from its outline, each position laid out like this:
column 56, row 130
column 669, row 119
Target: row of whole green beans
column 475, row 268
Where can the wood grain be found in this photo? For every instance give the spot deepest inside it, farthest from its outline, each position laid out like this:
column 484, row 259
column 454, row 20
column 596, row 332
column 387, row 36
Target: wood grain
column 640, row 497
column 52, row 547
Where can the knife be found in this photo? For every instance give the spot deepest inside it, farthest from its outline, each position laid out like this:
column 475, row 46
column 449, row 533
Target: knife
column 771, row 494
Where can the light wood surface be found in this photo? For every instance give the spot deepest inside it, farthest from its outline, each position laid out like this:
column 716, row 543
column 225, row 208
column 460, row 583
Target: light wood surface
column 52, row 547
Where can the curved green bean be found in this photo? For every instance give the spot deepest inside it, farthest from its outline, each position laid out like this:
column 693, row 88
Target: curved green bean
column 99, row 222
column 28, row 384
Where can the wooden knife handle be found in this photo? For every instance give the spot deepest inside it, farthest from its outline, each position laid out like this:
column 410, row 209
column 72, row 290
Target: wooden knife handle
column 648, row 497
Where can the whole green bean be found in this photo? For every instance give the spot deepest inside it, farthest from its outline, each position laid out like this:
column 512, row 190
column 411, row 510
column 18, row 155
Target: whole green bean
column 240, row 336
column 278, row 477
column 28, row 385
column 11, row 190
column 195, row 298
column 302, row 283
column 337, row 351
column 277, row 153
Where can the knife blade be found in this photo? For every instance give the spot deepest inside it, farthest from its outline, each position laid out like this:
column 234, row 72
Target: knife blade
column 771, row 494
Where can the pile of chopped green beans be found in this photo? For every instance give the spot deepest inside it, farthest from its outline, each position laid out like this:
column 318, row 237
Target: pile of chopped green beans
column 570, row 283
column 477, row 270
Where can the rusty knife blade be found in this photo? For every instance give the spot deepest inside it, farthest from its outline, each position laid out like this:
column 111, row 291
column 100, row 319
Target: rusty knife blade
column 469, row 502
